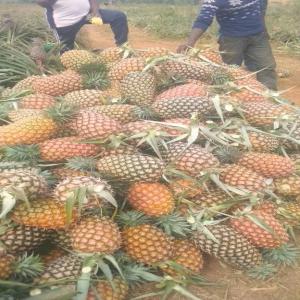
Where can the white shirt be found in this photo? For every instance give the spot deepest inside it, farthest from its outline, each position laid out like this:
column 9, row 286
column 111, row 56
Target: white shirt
column 69, row 12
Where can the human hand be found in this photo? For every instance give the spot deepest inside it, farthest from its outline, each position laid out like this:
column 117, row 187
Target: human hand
column 182, row 48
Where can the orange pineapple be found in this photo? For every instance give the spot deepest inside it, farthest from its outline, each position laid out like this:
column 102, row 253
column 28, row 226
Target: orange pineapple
column 37, row 101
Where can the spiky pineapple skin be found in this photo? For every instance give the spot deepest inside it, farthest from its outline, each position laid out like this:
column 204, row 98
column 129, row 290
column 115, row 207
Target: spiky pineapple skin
column 94, row 235
column 184, row 90
column 123, row 113
column 44, row 214
column 267, row 164
column 66, row 267
column 58, row 85
column 60, row 149
column 6, row 262
column 261, row 142
column 152, row 52
column 139, row 88
column 242, row 177
column 185, row 188
column 258, row 236
column 75, row 59
column 191, row 160
column 131, row 167
column 37, row 101
column 19, row 114
column 107, row 292
column 85, row 98
column 23, row 239
column 288, row 186
column 27, row 131
column 147, row 244
column 32, row 184
column 232, row 247
column 153, row 199
column 64, row 188
column 186, row 255
column 182, row 107
column 63, row 173
column 89, row 124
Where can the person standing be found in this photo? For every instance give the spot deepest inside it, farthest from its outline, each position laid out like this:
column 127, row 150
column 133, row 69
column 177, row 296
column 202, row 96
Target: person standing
column 66, row 17
column 243, row 35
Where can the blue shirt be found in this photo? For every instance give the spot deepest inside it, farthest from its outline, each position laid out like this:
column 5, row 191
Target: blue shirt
column 237, row 18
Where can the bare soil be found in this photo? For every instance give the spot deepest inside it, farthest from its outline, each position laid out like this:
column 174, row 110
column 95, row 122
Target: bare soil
column 95, row 37
column 231, row 284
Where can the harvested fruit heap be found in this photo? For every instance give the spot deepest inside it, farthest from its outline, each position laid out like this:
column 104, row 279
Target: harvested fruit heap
column 129, row 165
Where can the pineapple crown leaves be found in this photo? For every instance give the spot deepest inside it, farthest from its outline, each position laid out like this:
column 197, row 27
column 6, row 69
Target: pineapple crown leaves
column 61, row 112
column 82, row 164
column 262, row 272
column 27, row 267
column 286, row 255
column 5, row 108
column 133, row 218
column 95, row 75
column 174, row 225
column 22, row 153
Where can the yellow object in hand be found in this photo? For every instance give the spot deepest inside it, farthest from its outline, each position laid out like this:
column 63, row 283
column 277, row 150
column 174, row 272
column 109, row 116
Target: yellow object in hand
column 96, row 21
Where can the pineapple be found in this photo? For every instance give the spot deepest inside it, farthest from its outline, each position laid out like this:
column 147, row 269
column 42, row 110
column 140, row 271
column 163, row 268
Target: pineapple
column 229, row 246
column 60, row 149
column 123, row 113
column 111, row 55
column 115, row 290
column 187, row 256
column 58, row 84
column 89, row 124
column 289, row 213
column 182, row 107
column 244, row 178
column 6, row 266
column 192, row 160
column 265, row 113
column 23, row 85
column 133, row 128
column 272, row 237
column 189, row 69
column 17, row 165
column 131, row 167
column 65, row 172
column 288, row 186
column 262, row 142
column 138, row 88
column 153, row 199
column 42, row 213
column 51, row 256
column 268, row 165
column 36, row 101
column 65, row 188
column 85, row 98
column 152, row 52
column 66, row 267
column 186, row 188
column 93, row 235
column 126, row 66
column 20, row 114
column 211, row 55
column 32, row 184
column 184, row 90
column 147, row 244
column 61, row 238
column 119, row 150
column 75, row 59
column 20, row 239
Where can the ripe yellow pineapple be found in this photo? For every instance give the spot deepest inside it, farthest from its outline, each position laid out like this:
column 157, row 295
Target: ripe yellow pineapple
column 186, row 188
column 96, row 235
column 288, row 186
column 36, row 101
column 273, row 236
column 42, row 213
column 262, row 142
column 6, row 266
column 19, row 114
column 267, row 164
column 152, row 52
column 104, row 288
column 152, row 199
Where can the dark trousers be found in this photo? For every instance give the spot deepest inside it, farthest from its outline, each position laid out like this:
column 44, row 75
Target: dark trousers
column 256, row 53
column 116, row 19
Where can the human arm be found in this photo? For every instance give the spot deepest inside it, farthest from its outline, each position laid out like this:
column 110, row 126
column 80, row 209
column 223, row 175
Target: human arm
column 94, row 8
column 202, row 22
column 45, row 3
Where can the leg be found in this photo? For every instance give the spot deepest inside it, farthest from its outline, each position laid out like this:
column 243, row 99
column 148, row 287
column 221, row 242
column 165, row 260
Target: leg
column 66, row 35
column 118, row 24
column 259, row 57
column 232, row 49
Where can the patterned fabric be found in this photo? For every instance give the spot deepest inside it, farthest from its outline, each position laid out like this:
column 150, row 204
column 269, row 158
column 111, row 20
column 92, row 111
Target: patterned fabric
column 237, row 18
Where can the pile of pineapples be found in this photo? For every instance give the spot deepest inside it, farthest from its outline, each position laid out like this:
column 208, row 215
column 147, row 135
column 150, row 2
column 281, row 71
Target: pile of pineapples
column 131, row 164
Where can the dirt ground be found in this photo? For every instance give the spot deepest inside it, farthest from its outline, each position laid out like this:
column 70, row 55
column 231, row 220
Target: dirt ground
column 101, row 37
column 230, row 285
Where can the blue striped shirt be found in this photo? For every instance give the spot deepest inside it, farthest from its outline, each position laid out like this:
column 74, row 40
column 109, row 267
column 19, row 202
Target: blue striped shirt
column 237, row 18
